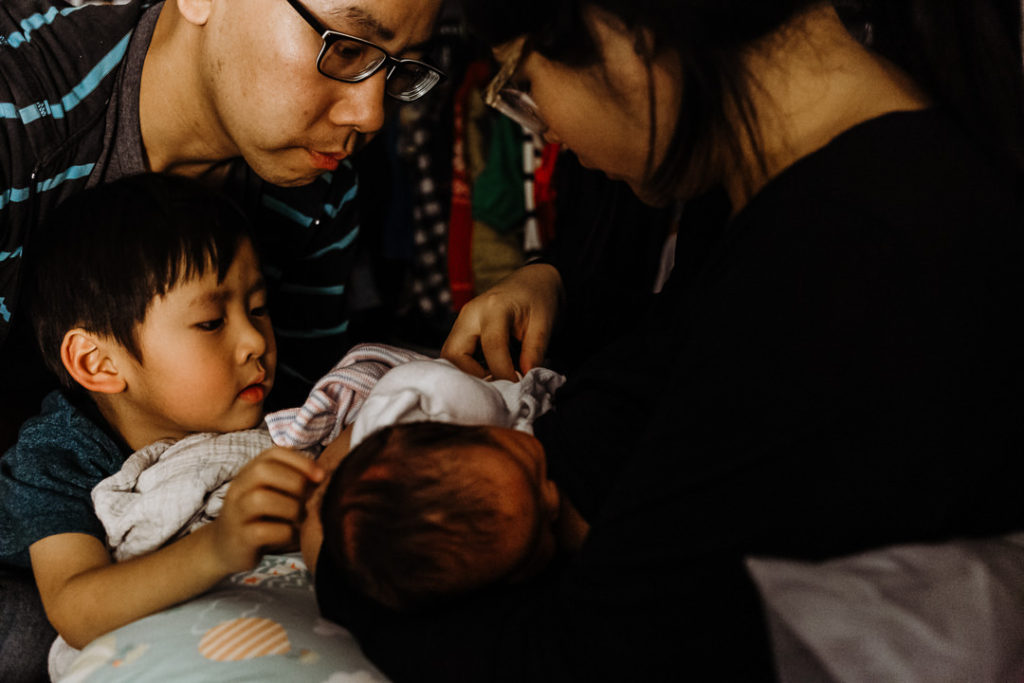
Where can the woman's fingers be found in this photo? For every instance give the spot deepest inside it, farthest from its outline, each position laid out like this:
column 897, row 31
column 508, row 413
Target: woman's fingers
column 494, row 342
column 535, row 344
column 523, row 306
column 461, row 345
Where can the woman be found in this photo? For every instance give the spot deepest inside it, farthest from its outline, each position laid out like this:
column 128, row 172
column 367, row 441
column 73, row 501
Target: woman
column 834, row 363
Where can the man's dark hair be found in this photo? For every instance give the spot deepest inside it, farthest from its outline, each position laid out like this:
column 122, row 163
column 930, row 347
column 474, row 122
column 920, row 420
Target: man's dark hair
column 105, row 253
column 411, row 532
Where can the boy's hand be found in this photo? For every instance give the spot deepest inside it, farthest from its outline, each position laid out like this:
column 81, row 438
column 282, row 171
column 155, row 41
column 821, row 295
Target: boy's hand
column 85, row 595
column 263, row 507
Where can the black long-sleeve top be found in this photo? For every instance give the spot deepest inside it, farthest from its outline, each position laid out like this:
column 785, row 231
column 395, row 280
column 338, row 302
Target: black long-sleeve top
column 837, row 367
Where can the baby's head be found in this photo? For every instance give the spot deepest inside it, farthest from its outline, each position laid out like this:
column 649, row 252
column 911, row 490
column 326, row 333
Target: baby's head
column 422, row 512
column 147, row 293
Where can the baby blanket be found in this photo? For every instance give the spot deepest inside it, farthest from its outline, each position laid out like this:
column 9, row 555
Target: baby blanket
column 169, row 489
column 336, row 399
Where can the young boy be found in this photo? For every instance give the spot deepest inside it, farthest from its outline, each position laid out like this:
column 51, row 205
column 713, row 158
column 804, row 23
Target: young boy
column 149, row 304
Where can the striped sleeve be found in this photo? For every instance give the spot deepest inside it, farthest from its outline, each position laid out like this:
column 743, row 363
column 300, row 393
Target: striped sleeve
column 58, row 65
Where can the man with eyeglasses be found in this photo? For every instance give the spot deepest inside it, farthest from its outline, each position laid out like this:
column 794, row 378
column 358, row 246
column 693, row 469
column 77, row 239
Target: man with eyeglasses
column 267, row 99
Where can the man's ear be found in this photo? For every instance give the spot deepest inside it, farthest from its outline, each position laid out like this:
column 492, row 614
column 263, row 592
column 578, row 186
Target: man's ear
column 92, row 361
column 195, row 11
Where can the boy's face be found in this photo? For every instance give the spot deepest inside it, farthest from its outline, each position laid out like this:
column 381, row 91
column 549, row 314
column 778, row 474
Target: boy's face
column 207, row 355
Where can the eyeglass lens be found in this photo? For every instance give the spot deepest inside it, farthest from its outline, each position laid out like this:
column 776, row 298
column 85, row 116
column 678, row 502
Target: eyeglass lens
column 352, row 60
column 519, row 107
column 409, row 80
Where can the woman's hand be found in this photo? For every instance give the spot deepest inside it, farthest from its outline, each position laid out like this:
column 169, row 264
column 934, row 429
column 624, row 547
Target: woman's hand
column 524, row 305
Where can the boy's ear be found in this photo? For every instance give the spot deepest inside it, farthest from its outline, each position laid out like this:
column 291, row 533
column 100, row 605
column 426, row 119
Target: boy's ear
column 90, row 360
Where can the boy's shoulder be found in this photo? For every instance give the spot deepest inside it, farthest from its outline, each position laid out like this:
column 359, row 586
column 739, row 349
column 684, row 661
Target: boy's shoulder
column 47, row 477
column 66, row 439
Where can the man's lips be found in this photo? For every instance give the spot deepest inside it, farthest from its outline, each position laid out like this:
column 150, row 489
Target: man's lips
column 327, row 161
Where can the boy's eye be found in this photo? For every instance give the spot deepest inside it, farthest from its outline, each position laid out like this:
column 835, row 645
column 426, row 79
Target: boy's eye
column 258, row 311
column 211, row 325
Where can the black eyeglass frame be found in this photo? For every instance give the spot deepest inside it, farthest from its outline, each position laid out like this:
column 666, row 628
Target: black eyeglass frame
column 330, row 36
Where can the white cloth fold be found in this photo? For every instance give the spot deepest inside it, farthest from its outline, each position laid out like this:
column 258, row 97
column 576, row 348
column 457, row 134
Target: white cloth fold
column 436, row 390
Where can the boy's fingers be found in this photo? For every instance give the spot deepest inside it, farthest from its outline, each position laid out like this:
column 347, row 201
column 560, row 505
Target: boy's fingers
column 297, row 461
column 269, row 534
column 281, row 469
column 266, row 504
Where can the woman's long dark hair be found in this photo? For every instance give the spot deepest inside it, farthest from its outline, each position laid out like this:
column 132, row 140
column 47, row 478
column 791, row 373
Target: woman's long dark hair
column 965, row 53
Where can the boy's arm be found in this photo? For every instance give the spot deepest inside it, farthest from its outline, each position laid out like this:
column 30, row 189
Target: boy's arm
column 86, row 595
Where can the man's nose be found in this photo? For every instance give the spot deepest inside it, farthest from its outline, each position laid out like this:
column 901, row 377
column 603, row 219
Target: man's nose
column 360, row 105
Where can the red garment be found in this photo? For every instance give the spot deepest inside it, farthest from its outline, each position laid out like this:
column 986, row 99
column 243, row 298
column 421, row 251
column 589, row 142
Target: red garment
column 460, row 228
column 544, row 192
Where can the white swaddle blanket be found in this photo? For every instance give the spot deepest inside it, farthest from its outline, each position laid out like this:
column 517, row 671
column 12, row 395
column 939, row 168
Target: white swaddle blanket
column 437, row 391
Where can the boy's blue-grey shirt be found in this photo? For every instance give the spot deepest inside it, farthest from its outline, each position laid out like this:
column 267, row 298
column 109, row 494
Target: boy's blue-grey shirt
column 59, row 70
column 47, row 477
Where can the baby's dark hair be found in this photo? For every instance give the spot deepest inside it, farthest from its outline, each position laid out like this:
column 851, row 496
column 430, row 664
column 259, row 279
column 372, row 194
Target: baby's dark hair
column 411, row 532
column 105, row 253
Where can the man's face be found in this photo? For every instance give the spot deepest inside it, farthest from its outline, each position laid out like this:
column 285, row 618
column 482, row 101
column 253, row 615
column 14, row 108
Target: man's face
column 258, row 71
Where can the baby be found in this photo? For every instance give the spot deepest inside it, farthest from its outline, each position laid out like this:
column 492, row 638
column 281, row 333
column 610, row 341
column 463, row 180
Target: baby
column 445, row 490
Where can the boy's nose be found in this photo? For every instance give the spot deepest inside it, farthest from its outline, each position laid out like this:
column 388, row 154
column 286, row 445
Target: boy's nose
column 360, row 105
column 251, row 343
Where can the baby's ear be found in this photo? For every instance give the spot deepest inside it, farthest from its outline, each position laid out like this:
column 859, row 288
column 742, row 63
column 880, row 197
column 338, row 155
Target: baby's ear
column 91, row 361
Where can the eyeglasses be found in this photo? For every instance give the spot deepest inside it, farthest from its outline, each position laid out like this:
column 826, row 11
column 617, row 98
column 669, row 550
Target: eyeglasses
column 511, row 102
column 350, row 59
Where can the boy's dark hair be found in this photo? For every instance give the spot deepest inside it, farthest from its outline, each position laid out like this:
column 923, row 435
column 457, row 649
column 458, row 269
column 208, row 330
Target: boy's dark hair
column 408, row 538
column 105, row 253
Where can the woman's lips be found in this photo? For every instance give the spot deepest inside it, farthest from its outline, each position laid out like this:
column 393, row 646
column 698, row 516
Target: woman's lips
column 327, row 161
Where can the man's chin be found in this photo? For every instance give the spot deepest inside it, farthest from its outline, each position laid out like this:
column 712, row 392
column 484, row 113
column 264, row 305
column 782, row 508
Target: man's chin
column 286, row 174
column 291, row 181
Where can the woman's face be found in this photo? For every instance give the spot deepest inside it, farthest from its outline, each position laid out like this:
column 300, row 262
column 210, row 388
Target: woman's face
column 602, row 112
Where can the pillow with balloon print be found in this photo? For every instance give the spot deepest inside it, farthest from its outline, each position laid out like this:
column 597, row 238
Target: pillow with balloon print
column 261, row 625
